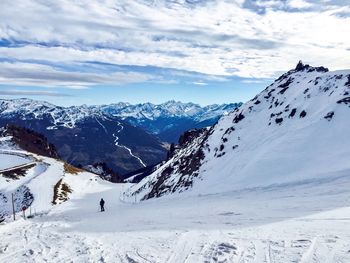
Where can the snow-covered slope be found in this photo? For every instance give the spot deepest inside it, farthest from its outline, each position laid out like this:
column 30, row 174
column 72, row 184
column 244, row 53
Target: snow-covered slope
column 9, row 161
column 38, row 182
column 297, row 129
column 306, row 223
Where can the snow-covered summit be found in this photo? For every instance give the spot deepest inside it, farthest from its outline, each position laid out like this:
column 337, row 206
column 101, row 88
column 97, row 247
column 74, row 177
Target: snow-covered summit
column 170, row 119
column 297, row 129
column 68, row 116
column 60, row 116
column 169, row 109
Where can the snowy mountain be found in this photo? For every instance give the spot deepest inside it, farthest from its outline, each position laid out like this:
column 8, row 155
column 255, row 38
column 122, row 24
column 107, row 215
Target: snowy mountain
column 86, row 135
column 169, row 109
column 27, row 109
column 137, row 114
column 124, row 136
column 170, row 119
column 296, row 130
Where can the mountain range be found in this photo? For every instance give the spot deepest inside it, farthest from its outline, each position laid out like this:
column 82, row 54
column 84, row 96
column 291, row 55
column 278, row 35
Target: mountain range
column 123, row 136
column 170, row 119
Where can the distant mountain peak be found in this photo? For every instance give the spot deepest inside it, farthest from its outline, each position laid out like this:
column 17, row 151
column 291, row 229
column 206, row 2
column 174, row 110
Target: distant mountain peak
column 302, row 67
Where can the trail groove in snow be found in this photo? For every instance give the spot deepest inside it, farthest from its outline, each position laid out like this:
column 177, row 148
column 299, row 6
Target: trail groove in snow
column 116, row 141
column 231, row 227
column 103, row 127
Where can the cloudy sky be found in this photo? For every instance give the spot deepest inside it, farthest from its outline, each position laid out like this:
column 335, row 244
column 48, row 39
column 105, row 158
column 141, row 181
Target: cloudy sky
column 205, row 51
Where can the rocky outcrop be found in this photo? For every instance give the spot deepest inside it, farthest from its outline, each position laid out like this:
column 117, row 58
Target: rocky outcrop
column 185, row 163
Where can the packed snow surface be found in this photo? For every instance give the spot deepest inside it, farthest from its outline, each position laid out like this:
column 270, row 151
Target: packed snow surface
column 10, row 160
column 304, row 222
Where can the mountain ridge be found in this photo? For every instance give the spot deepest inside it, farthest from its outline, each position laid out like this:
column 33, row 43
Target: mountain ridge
column 68, row 116
column 294, row 130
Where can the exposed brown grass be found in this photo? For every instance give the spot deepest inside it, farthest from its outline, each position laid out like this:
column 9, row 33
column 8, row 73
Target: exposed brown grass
column 72, row 169
column 60, row 192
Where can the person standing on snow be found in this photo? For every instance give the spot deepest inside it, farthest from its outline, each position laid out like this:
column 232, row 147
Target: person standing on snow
column 102, row 204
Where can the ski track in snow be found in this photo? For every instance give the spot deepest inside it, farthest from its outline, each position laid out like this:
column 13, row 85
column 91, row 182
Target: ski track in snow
column 290, row 224
column 124, row 147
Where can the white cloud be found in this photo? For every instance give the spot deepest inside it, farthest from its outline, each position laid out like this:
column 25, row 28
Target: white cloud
column 254, row 81
column 46, row 76
column 299, row 4
column 33, row 93
column 270, row 3
column 219, row 38
column 200, row 83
